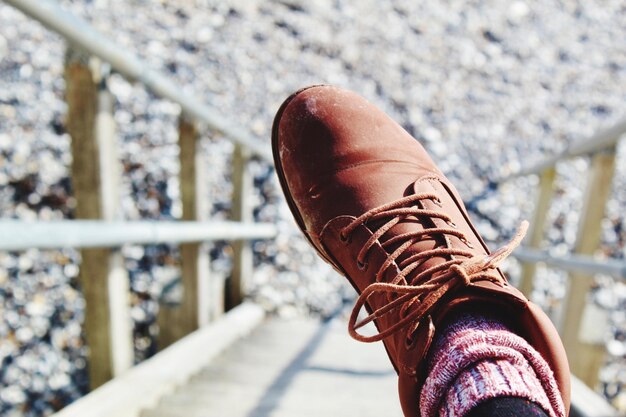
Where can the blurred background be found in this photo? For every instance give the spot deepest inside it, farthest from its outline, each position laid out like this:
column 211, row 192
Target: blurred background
column 488, row 87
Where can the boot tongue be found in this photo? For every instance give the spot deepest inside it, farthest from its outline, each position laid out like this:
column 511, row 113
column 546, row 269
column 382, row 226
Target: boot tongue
column 413, row 224
column 424, row 244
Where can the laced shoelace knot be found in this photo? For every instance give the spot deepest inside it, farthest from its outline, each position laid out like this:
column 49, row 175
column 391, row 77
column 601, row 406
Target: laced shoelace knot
column 427, row 287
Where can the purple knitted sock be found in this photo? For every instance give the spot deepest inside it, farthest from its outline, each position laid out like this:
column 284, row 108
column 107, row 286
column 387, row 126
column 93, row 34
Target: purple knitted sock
column 477, row 358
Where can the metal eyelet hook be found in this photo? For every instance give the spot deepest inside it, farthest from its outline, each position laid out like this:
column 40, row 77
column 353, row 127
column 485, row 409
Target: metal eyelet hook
column 410, row 342
column 467, row 243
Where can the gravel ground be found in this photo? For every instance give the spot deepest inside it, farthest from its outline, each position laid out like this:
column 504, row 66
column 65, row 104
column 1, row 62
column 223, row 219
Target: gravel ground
column 487, row 86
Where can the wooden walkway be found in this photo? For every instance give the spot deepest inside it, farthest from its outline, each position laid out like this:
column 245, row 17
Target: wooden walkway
column 290, row 368
column 246, row 365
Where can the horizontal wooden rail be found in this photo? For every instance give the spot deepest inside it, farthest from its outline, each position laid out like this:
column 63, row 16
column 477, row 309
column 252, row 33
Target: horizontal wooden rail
column 80, row 34
column 21, row 235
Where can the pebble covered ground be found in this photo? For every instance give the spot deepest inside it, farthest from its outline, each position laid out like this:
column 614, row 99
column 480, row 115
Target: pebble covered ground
column 487, row 86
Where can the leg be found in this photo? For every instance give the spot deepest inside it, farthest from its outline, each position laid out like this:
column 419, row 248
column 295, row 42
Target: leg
column 375, row 206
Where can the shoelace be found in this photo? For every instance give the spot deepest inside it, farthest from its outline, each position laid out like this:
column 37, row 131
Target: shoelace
column 422, row 289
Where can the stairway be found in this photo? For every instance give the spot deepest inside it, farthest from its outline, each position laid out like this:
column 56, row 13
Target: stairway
column 290, row 368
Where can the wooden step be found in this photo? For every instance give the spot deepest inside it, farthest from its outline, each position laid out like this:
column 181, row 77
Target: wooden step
column 290, row 368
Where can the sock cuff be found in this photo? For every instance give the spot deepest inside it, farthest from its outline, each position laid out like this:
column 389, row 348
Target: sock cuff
column 471, row 341
column 489, row 379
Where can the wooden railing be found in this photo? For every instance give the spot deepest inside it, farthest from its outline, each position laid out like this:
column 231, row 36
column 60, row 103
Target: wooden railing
column 588, row 355
column 99, row 231
column 96, row 172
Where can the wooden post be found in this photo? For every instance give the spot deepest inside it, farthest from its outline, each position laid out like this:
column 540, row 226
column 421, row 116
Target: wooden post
column 95, row 175
column 193, row 312
column 535, row 236
column 242, row 212
column 585, row 358
column 118, row 280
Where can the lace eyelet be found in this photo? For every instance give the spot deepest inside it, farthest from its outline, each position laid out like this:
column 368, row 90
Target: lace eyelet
column 451, row 224
column 467, row 243
column 343, row 238
column 437, row 201
column 410, row 342
column 362, row 266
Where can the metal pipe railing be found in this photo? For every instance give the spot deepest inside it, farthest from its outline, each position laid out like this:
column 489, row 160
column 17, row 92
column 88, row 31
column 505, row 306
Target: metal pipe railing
column 574, row 263
column 81, row 34
column 103, row 279
column 587, row 355
column 21, row 235
column 599, row 141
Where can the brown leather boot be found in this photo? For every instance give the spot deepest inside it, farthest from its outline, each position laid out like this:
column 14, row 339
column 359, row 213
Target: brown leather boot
column 374, row 205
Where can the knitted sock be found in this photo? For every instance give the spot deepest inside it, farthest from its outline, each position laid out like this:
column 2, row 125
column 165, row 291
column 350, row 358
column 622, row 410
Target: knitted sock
column 477, row 358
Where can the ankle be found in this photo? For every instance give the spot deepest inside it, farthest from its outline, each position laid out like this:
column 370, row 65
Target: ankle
column 477, row 358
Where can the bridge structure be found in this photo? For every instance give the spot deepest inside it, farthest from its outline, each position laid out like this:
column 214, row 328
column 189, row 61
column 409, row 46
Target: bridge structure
column 220, row 355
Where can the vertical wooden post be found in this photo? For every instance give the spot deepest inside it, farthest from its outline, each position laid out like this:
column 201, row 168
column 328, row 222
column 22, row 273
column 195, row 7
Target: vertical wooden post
column 118, row 280
column 178, row 321
column 242, row 212
column 586, row 358
column 546, row 191
column 107, row 318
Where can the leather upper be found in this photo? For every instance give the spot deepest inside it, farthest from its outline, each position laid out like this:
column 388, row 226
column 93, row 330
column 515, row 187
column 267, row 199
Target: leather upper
column 338, row 156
